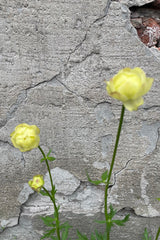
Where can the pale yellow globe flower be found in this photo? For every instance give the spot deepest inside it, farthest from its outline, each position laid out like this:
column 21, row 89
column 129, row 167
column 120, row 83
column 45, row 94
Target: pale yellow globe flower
column 25, row 137
column 36, row 183
column 128, row 86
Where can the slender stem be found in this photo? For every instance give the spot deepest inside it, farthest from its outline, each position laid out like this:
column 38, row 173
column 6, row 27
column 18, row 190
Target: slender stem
column 112, row 164
column 108, row 235
column 158, row 232
column 47, row 166
column 50, row 195
column 56, row 210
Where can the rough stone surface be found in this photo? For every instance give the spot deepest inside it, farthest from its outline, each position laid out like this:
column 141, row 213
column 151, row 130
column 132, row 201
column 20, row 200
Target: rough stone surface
column 65, row 182
column 54, row 58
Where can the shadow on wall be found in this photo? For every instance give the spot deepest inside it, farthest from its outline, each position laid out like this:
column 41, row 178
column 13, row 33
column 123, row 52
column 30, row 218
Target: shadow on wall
column 146, row 20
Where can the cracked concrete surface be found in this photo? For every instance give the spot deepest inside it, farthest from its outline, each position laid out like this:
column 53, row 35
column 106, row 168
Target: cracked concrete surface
column 54, row 60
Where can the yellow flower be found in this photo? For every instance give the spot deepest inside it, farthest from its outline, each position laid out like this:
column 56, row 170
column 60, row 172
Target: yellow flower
column 128, row 86
column 25, row 137
column 36, row 183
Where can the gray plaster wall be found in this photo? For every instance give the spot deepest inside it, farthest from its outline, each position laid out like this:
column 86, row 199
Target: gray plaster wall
column 54, row 58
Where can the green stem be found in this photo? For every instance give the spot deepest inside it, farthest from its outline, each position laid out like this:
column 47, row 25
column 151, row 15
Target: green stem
column 108, row 235
column 48, row 193
column 51, row 197
column 158, row 232
column 47, row 166
column 111, row 167
column 56, row 211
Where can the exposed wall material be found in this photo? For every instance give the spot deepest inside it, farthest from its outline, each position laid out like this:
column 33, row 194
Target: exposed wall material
column 54, row 58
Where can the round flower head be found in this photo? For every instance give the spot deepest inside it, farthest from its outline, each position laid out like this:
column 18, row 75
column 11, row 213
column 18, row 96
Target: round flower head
column 36, row 183
column 25, row 137
column 128, row 86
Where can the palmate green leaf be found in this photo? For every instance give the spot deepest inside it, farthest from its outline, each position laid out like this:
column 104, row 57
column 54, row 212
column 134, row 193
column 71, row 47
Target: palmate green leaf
column 109, row 225
column 104, row 236
column 49, row 221
column 112, row 211
column 66, row 228
column 100, row 236
column 43, row 193
column 65, row 234
column 81, row 237
column 146, row 235
column 118, row 222
column 121, row 222
column 101, row 221
column 53, row 192
column 54, row 238
column 42, row 159
column 50, row 150
column 51, row 159
column 104, row 176
column 48, row 156
column 158, row 199
column 65, row 225
column 96, row 182
column 93, row 237
column 48, row 233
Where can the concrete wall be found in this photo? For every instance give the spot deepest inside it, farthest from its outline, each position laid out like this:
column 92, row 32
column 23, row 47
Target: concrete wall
column 54, row 58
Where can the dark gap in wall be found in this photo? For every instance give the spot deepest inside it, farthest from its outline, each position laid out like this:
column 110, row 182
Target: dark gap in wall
column 146, row 20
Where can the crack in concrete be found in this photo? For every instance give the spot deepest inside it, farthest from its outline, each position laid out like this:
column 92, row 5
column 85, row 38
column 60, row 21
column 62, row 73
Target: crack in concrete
column 22, row 96
column 3, row 229
column 23, row 160
column 119, row 171
column 77, row 46
column 151, row 107
column 128, row 210
column 74, row 93
column 94, row 52
column 85, row 36
column 4, row 143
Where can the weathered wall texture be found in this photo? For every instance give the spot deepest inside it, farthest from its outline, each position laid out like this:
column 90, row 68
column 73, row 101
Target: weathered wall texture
column 54, row 57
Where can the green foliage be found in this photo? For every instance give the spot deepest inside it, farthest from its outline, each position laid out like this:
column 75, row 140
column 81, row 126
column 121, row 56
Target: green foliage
column 100, row 236
column 43, row 193
column 65, row 229
column 104, row 178
column 49, row 233
column 51, row 222
column 111, row 222
column 97, row 236
column 81, row 236
column 146, row 235
column 48, row 157
column 53, row 191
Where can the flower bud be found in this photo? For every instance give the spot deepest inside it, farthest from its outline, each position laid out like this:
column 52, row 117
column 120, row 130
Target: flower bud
column 36, row 183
